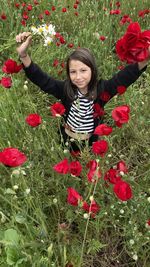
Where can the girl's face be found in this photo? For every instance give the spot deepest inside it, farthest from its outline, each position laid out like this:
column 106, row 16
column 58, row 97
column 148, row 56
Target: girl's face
column 80, row 75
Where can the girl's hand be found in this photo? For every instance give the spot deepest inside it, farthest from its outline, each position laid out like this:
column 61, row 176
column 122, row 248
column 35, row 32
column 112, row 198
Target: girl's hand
column 25, row 39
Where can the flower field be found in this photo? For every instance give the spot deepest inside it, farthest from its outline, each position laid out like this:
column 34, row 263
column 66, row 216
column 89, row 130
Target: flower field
column 58, row 209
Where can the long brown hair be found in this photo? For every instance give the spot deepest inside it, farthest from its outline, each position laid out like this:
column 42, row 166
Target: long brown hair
column 85, row 56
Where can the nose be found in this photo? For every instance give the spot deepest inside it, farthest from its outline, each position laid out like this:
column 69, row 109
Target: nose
column 78, row 75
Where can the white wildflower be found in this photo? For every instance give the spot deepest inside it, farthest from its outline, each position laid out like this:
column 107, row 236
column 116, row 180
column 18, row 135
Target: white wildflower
column 47, row 42
column 135, row 257
column 55, row 200
column 131, row 242
column 27, row 191
column 25, row 87
column 15, row 187
column 91, row 198
column 86, row 215
column 122, row 211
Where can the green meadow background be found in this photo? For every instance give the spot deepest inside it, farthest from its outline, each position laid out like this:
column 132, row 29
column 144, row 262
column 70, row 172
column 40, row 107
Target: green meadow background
column 38, row 228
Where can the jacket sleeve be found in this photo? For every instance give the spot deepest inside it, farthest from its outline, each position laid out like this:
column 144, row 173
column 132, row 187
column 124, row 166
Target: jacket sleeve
column 125, row 77
column 44, row 81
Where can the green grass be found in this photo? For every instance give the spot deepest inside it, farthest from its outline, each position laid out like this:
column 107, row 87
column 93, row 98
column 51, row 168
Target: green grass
column 33, row 203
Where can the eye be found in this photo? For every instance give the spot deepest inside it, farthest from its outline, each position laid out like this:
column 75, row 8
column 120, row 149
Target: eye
column 83, row 70
column 72, row 71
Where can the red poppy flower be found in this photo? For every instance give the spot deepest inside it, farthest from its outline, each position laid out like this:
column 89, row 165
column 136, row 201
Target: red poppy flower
column 55, row 62
column 75, row 154
column 115, row 12
column 75, row 168
column 73, row 197
column 93, row 209
column 6, row 82
column 10, row 66
column 133, row 46
column 125, row 19
column 47, row 12
column 33, row 119
column 12, row 157
column 57, row 109
column 112, row 176
column 102, row 38
column 121, row 166
column 100, row 147
column 98, row 111
column 121, row 89
column 92, row 165
column 3, row 16
column 105, row 96
column 94, row 175
column 64, row 9
column 122, row 190
column 29, row 7
column 103, row 129
column 121, row 115
column 148, row 222
column 62, row 167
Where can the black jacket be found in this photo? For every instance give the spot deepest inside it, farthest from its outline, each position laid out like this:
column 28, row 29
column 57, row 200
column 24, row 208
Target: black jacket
column 125, row 77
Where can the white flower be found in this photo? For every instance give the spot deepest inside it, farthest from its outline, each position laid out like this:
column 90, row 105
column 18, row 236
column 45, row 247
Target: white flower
column 135, row 257
column 34, row 29
column 27, row 191
column 66, row 151
column 148, row 199
column 121, row 211
column 131, row 242
column 15, row 187
column 91, row 198
column 25, row 87
column 55, row 200
column 86, row 215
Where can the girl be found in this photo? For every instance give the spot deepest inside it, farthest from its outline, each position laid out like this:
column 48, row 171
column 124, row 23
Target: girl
column 81, row 93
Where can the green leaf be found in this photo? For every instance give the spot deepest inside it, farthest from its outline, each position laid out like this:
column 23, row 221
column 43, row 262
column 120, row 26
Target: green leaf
column 11, row 236
column 12, row 255
column 20, row 219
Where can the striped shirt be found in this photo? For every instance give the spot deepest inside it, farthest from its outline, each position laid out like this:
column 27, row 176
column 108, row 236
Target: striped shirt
column 80, row 117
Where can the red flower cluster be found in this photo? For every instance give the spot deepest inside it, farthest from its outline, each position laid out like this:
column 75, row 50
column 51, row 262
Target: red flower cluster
column 112, row 176
column 98, row 111
column 103, row 129
column 121, row 188
column 121, row 115
column 33, row 119
column 57, row 109
column 6, row 82
column 125, row 19
column 100, row 147
column 74, row 199
column 63, row 167
column 133, row 46
column 12, row 157
column 121, row 89
column 92, row 209
column 94, row 172
column 10, row 66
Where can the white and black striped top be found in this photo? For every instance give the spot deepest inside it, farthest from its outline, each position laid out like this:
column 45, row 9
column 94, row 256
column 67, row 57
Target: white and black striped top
column 80, row 117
